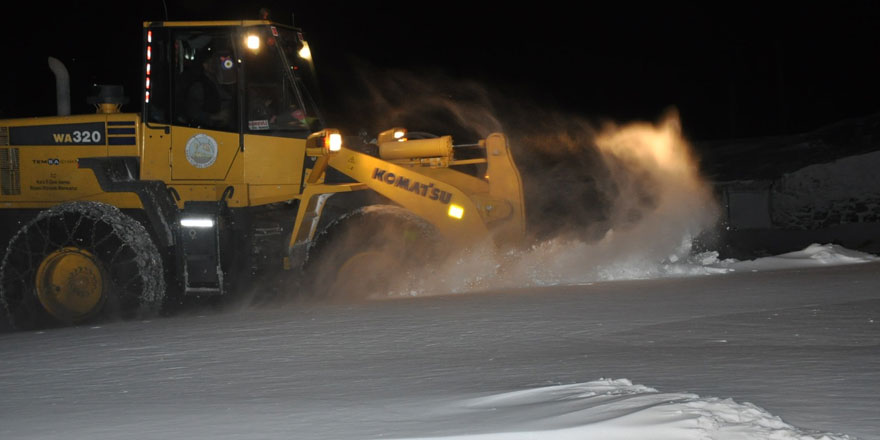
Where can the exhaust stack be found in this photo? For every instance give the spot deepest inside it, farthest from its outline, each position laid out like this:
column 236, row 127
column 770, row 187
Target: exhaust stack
column 62, row 86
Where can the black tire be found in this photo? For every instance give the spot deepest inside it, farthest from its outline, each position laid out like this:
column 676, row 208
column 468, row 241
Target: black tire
column 78, row 262
column 369, row 251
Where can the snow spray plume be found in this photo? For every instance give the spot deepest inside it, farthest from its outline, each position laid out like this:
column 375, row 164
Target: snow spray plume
column 564, row 180
column 432, row 103
column 623, row 202
column 602, row 203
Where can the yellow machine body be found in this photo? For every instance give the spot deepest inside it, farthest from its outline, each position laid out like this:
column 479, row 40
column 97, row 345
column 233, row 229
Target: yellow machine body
column 190, row 183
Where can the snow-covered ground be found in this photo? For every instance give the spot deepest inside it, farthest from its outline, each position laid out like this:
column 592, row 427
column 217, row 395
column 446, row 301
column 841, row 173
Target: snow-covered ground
column 636, row 335
column 777, row 348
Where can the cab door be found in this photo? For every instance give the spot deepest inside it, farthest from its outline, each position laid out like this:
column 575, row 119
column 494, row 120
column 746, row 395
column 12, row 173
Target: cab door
column 206, row 122
column 199, row 154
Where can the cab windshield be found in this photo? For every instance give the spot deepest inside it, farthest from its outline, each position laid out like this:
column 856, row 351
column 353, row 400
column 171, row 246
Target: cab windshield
column 281, row 90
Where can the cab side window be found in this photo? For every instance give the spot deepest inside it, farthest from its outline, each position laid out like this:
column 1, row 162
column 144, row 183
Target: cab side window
column 205, row 79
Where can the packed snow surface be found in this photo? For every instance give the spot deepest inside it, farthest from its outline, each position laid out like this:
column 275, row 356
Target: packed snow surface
column 775, row 348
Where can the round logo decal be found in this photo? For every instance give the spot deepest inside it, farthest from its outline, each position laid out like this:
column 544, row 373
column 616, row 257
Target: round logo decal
column 201, row 151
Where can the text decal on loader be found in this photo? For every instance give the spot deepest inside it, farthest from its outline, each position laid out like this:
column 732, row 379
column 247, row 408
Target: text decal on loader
column 414, row 186
column 91, row 133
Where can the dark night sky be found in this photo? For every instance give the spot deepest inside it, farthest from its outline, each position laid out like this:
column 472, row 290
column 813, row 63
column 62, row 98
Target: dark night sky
column 733, row 69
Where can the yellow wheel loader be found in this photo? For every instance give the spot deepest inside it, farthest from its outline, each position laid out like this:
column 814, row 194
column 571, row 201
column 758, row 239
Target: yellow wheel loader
column 226, row 176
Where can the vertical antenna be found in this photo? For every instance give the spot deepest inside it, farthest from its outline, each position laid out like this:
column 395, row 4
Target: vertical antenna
column 165, row 6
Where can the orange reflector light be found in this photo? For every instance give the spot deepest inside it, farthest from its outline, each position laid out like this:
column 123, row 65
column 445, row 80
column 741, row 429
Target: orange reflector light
column 149, row 36
column 148, row 68
column 147, row 97
column 149, row 52
column 456, row 212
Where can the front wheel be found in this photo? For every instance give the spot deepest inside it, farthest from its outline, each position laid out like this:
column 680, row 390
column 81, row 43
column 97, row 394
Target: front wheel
column 77, row 262
column 371, row 251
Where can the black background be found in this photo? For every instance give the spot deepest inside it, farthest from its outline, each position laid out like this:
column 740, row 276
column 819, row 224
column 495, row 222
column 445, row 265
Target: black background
column 732, row 69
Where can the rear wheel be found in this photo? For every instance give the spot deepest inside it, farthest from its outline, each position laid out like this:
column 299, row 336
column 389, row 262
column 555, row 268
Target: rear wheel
column 372, row 251
column 77, row 262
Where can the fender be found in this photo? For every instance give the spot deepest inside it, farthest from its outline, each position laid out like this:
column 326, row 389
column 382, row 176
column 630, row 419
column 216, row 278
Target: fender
column 120, row 174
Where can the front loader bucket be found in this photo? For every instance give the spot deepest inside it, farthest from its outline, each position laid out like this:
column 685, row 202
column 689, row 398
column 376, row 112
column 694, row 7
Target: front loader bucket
column 505, row 184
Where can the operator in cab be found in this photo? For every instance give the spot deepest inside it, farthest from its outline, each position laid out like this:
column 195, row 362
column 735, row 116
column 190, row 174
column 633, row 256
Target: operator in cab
column 208, row 96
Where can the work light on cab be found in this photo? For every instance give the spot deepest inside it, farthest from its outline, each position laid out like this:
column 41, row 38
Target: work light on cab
column 252, row 42
column 305, row 53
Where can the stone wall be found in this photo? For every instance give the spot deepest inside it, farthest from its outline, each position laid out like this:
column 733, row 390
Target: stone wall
column 818, row 196
column 823, row 195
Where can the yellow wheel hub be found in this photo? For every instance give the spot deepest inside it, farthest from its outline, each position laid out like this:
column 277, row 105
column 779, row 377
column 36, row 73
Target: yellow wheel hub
column 70, row 284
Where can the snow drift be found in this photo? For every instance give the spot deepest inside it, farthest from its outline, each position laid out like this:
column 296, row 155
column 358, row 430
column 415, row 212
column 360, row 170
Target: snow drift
column 617, row 409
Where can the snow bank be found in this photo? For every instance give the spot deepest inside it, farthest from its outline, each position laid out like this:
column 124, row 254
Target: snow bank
column 707, row 263
column 823, row 195
column 618, row 409
column 812, row 256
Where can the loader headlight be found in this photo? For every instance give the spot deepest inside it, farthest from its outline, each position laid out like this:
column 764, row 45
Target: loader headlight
column 333, row 142
column 395, row 134
column 328, row 140
column 456, row 212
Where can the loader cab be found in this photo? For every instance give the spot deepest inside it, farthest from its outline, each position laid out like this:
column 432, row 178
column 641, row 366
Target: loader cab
column 242, row 77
